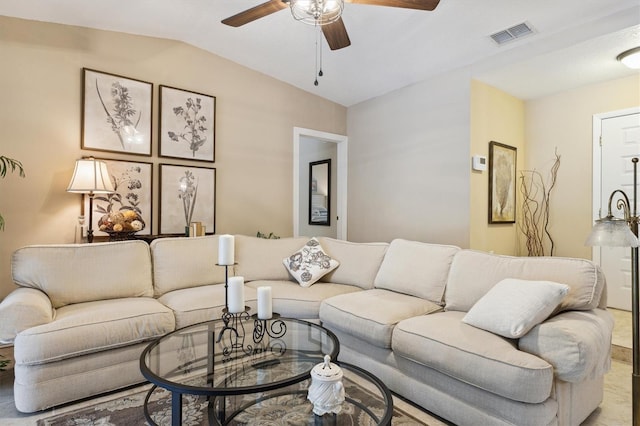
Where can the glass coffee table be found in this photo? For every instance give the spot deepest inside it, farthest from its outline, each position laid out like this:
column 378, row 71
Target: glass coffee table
column 245, row 370
column 236, row 356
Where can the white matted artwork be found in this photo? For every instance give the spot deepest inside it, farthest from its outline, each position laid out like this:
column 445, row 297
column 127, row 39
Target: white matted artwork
column 187, row 194
column 187, row 124
column 133, row 184
column 116, row 113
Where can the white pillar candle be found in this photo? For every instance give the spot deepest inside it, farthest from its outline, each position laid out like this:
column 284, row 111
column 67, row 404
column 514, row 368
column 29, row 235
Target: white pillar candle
column 226, row 248
column 235, row 295
column 265, row 304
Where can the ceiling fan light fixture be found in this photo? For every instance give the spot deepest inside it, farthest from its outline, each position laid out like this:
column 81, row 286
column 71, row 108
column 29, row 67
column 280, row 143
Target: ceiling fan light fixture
column 630, row 58
column 317, row 12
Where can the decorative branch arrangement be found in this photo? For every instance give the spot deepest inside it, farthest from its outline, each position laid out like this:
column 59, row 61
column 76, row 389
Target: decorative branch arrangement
column 536, row 197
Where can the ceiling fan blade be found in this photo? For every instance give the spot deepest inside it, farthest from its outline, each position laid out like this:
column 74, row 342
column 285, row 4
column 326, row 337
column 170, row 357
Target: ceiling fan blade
column 405, row 4
column 257, row 12
column 336, row 35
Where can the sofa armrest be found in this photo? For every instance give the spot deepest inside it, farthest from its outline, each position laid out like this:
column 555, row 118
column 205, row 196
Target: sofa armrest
column 21, row 309
column 576, row 343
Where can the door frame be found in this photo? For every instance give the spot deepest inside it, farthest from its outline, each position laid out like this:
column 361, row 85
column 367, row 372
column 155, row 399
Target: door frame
column 341, row 196
column 597, row 165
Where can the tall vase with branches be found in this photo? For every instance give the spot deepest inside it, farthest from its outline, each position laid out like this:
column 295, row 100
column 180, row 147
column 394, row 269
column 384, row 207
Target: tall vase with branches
column 536, row 199
column 9, row 164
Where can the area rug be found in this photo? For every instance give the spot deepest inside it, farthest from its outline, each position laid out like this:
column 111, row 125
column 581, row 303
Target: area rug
column 280, row 411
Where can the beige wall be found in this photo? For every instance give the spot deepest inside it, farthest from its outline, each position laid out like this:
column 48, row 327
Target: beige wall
column 564, row 121
column 495, row 116
column 40, row 113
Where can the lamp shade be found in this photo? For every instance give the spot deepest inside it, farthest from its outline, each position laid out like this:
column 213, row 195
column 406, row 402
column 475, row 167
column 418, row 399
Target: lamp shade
column 90, row 177
column 612, row 232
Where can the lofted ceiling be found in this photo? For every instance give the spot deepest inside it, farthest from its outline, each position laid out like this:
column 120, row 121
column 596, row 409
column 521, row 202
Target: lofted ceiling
column 574, row 42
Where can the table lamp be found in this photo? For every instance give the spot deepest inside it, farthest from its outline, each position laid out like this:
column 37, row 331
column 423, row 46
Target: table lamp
column 90, row 177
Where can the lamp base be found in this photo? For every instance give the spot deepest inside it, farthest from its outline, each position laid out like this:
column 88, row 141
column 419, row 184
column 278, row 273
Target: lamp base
column 635, row 401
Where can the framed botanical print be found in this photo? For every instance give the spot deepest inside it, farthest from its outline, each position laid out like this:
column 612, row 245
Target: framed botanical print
column 502, row 183
column 187, row 124
column 132, row 182
column 116, row 113
column 187, row 195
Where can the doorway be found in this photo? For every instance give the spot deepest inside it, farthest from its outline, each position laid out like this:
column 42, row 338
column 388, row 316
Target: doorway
column 306, row 138
column 616, row 139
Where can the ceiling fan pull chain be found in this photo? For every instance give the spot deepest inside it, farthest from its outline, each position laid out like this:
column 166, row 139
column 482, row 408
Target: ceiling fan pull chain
column 318, row 55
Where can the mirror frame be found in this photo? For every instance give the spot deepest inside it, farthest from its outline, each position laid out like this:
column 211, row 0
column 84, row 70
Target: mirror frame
column 313, row 219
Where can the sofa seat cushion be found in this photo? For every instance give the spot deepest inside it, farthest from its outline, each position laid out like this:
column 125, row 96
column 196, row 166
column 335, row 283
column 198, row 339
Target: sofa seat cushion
column 291, row 300
column 198, row 304
column 90, row 327
column 371, row 315
column 490, row 362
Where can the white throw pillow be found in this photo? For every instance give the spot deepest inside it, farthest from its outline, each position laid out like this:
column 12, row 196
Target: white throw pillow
column 310, row 263
column 513, row 307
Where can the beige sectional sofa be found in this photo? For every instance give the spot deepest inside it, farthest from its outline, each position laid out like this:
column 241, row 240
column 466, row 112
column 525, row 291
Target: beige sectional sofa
column 83, row 313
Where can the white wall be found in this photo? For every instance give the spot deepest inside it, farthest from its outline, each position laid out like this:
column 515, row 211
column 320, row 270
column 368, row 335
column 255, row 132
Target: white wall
column 409, row 172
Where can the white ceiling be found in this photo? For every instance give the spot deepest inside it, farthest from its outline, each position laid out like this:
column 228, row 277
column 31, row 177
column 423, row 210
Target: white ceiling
column 575, row 42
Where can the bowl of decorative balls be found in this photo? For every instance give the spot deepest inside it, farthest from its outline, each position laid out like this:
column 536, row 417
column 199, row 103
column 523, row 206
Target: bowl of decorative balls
column 121, row 225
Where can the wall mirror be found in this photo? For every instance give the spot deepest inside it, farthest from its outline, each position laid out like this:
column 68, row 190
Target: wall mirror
column 320, row 192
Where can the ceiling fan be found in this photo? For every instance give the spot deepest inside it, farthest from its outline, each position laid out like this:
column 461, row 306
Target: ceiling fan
column 326, row 13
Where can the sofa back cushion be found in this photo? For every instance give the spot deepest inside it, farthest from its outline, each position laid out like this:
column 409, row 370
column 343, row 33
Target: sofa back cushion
column 261, row 259
column 70, row 273
column 474, row 273
column 359, row 262
column 417, row 269
column 182, row 262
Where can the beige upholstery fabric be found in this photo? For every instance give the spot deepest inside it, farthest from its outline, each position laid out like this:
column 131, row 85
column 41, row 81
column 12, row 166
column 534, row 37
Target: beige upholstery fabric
column 185, row 262
column 291, row 300
column 415, row 268
column 576, row 343
column 513, row 307
column 84, row 328
column 371, row 315
column 198, row 304
column 38, row 387
column 461, row 403
column 443, row 342
column 261, row 259
column 82, row 273
column 21, row 309
column 359, row 262
column 466, row 285
column 577, row 400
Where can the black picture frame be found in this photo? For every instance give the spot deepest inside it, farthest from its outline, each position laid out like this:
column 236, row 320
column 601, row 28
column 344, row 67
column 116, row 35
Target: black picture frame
column 320, row 192
column 177, row 210
column 133, row 182
column 116, row 113
column 187, row 124
column 502, row 183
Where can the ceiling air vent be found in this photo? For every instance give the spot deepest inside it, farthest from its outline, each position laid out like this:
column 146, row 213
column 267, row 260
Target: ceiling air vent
column 517, row 31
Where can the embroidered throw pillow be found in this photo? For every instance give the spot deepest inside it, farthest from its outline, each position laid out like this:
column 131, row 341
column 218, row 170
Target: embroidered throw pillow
column 513, row 307
column 310, row 263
